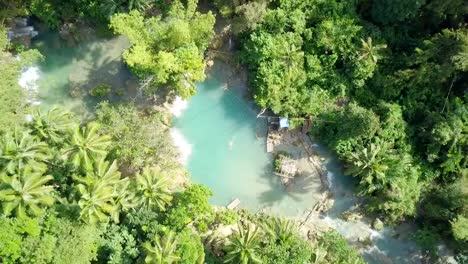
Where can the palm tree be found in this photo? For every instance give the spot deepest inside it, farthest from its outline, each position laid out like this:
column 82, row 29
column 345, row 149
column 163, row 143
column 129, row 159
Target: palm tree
column 110, row 7
column 153, row 189
column 98, row 189
column 290, row 56
column 242, row 247
column 371, row 165
column 319, row 255
column 26, row 192
column 280, row 229
column 87, row 146
column 370, row 51
column 97, row 203
column 140, row 5
column 20, row 148
column 161, row 250
column 125, row 195
column 52, row 126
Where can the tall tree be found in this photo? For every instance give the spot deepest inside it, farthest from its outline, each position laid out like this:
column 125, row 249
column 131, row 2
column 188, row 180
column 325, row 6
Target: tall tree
column 111, row 7
column 460, row 228
column 370, row 164
column 138, row 138
column 280, row 229
column 448, row 139
column 243, row 246
column 25, row 192
column 52, row 126
column 161, row 250
column 99, row 189
column 370, row 51
column 167, row 51
column 19, row 148
column 190, row 206
column 153, row 189
column 394, row 11
column 87, row 145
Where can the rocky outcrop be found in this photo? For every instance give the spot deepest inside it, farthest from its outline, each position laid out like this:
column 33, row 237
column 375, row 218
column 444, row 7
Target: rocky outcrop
column 377, row 224
column 20, row 32
column 351, row 216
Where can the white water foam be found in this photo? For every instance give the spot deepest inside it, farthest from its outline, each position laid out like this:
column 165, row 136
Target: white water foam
column 330, row 179
column 178, row 106
column 181, row 143
column 374, row 234
column 372, row 250
column 28, row 81
column 356, row 228
column 376, row 254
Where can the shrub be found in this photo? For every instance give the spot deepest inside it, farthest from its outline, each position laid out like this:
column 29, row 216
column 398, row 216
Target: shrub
column 100, row 90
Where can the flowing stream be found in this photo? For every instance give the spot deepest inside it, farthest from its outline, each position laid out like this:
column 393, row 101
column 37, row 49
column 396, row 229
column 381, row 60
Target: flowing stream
column 221, row 140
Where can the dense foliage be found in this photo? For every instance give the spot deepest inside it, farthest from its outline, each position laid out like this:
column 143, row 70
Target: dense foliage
column 66, row 197
column 167, row 50
column 384, row 83
column 109, row 190
column 137, row 137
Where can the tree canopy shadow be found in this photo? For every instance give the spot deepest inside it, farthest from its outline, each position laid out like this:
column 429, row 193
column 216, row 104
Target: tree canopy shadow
column 296, row 191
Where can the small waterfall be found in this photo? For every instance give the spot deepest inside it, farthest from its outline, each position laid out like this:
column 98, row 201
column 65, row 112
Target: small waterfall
column 374, row 234
column 376, row 246
column 21, row 30
column 391, row 245
column 230, row 43
column 353, row 231
column 178, row 106
column 185, row 148
column 330, row 179
column 181, row 143
column 28, row 81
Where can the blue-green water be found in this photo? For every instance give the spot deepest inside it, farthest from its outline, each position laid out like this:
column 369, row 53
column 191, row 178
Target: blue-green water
column 229, row 153
column 70, row 71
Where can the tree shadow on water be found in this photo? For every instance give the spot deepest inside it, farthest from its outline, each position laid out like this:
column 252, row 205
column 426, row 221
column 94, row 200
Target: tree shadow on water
column 92, row 64
column 71, row 70
column 235, row 107
column 112, row 73
column 295, row 191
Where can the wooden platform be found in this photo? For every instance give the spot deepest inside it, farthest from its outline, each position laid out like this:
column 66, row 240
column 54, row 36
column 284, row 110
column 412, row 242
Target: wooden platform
column 269, row 146
column 269, row 143
column 234, row 204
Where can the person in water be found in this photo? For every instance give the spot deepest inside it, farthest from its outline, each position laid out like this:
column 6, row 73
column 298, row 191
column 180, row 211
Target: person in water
column 231, row 143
